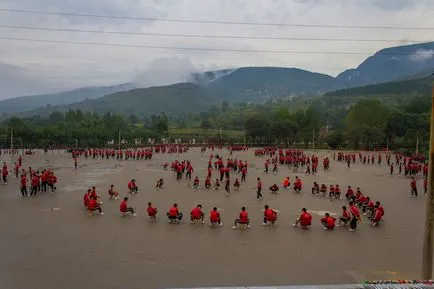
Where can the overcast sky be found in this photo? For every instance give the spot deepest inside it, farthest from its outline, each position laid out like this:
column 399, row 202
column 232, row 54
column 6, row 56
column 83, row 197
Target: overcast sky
column 32, row 68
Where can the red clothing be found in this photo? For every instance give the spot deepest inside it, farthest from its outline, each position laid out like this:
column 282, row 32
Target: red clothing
column 244, row 217
column 214, row 216
column 270, row 215
column 123, row 207
column 413, row 184
column 23, row 181
column 346, row 214
column 305, row 219
column 131, row 185
column 196, row 213
column 152, row 211
column 93, row 204
column 35, row 181
column 355, row 211
column 173, row 212
column 377, row 216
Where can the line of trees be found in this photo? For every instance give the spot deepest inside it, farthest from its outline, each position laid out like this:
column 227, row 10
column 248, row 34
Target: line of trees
column 365, row 124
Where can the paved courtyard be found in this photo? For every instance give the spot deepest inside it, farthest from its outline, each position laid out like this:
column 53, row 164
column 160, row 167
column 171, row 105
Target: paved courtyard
column 64, row 248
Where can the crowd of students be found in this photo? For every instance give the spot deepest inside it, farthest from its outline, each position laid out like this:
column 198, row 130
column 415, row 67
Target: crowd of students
column 31, row 181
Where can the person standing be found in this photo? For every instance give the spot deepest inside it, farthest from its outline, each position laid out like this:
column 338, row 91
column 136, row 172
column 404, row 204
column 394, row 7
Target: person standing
column 355, row 216
column 258, row 189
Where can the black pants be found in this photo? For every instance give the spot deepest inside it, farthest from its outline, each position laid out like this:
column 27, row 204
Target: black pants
column 5, row 179
column 129, row 209
column 96, row 209
column 24, row 191
column 314, row 191
column 44, row 186
column 34, row 190
column 266, row 170
column 52, row 187
column 353, row 223
column 177, row 217
column 344, row 220
column 221, row 177
column 228, row 189
column 188, row 175
column 243, row 177
column 414, row 192
column 258, row 193
column 275, row 169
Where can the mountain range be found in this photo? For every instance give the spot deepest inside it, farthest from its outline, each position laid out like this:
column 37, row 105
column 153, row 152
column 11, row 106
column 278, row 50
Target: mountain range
column 394, row 67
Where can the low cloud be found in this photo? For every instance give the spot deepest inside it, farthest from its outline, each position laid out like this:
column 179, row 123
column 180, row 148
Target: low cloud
column 166, row 71
column 422, row 55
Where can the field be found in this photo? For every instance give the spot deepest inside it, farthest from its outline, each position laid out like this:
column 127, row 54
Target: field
column 65, row 248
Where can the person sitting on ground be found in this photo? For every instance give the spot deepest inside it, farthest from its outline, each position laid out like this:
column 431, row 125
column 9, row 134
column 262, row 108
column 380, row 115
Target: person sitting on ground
column 196, row 183
column 124, row 209
column 349, row 194
column 367, row 206
column 215, row 217
column 217, row 185
column 94, row 206
column 243, row 219
column 298, row 184
column 377, row 216
column 337, row 192
column 328, row 222
column 270, row 215
column 331, row 191
column 113, row 194
column 207, row 183
column 345, row 218
column 152, row 212
column 323, row 189
column 315, row 188
column 274, row 188
column 165, row 165
column 305, row 220
column 174, row 215
column 236, row 185
column 286, row 183
column 132, row 187
column 197, row 214
column 160, row 184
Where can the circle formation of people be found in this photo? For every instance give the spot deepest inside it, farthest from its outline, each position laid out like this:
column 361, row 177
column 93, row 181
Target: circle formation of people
column 414, row 166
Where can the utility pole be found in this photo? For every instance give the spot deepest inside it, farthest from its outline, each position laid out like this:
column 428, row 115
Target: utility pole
column 313, row 139
column 427, row 251
column 12, row 141
column 119, row 140
column 76, row 144
column 417, row 145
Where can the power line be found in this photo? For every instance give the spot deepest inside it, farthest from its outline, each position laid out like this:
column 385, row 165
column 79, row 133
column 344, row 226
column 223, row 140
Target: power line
column 215, row 22
column 209, row 36
column 200, row 48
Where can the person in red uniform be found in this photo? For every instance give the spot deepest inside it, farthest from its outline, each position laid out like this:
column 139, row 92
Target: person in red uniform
column 124, row 209
column 378, row 214
column 315, row 188
column 52, row 180
column 331, row 191
column 367, row 206
column 242, row 219
column 23, row 185
column 174, row 215
column 94, row 206
column 132, row 187
column 113, row 193
column 197, row 214
column 270, row 215
column 34, row 183
column 355, row 216
column 152, row 212
column 196, row 183
column 305, row 219
column 323, row 190
column 345, row 218
column 413, row 187
column 298, row 185
column 207, row 183
column 337, row 192
column 214, row 217
column 236, row 185
column 258, row 188
column 5, row 173
column 328, row 222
